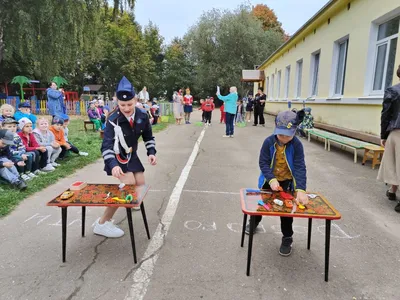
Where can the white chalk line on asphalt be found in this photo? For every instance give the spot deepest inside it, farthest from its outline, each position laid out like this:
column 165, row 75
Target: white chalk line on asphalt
column 142, row 275
column 197, row 191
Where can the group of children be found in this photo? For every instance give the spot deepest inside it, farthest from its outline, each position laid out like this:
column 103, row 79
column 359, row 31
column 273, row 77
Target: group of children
column 29, row 147
column 207, row 106
column 98, row 113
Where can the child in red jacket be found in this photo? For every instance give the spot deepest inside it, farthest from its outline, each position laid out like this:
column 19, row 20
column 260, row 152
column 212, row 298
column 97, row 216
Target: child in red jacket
column 39, row 153
column 223, row 113
column 208, row 108
column 202, row 103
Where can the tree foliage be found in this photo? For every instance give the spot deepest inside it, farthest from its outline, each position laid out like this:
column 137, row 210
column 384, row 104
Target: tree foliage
column 267, row 17
column 223, row 43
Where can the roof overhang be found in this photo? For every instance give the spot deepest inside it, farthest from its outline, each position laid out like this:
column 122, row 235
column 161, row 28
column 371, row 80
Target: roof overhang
column 252, row 75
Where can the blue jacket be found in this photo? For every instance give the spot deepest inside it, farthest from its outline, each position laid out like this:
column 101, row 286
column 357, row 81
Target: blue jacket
column 54, row 103
column 294, row 153
column 19, row 115
column 230, row 102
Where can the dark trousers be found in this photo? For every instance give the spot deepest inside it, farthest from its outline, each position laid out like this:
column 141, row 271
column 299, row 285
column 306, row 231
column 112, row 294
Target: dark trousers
column 203, row 116
column 230, row 118
column 286, row 223
column 39, row 159
column 259, row 114
column 155, row 120
column 64, row 150
column 28, row 164
column 207, row 116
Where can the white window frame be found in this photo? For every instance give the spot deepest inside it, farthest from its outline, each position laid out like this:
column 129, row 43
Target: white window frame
column 298, row 81
column 266, row 90
column 335, row 67
column 278, row 84
column 287, row 82
column 372, row 53
column 272, row 86
column 312, row 74
column 379, row 43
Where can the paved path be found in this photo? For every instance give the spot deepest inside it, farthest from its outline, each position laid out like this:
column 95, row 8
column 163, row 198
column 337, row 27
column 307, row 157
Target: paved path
column 194, row 252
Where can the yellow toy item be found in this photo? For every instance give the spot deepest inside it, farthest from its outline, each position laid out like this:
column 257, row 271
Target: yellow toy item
column 66, row 195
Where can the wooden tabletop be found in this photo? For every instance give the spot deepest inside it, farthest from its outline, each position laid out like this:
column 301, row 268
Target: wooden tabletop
column 375, row 148
column 318, row 208
column 96, row 194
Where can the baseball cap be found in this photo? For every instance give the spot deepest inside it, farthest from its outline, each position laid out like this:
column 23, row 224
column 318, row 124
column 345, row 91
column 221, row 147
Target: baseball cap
column 286, row 123
column 7, row 136
column 10, row 121
column 22, row 122
column 58, row 120
column 24, row 104
column 65, row 117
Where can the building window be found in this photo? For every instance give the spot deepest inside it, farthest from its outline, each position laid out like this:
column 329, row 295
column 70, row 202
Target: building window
column 385, row 55
column 287, row 82
column 272, row 86
column 267, row 87
column 299, row 74
column 315, row 58
column 278, row 84
column 339, row 66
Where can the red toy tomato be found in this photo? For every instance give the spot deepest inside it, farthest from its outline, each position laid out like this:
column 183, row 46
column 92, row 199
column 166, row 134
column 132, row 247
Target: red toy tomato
column 286, row 196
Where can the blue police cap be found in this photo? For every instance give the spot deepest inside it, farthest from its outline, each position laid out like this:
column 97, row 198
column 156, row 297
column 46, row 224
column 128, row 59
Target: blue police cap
column 125, row 90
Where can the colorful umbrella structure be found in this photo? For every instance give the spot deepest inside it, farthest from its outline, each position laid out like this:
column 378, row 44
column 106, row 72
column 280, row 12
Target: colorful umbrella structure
column 59, row 81
column 21, row 80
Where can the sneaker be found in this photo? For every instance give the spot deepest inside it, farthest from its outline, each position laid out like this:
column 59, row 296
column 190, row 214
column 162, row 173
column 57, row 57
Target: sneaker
column 397, row 208
column 231, row 136
column 83, row 153
column 20, row 185
column 108, row 229
column 224, row 136
column 26, row 177
column 48, row 168
column 391, row 196
column 54, row 164
column 31, row 175
column 254, row 124
column 136, row 208
column 263, row 125
column 247, row 229
column 286, row 246
column 38, row 172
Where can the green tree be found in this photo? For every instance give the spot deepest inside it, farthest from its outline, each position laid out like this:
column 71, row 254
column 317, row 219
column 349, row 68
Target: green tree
column 178, row 69
column 223, row 43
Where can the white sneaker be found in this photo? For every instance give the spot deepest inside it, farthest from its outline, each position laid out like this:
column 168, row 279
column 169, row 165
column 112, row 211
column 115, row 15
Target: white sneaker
column 26, row 177
column 231, row 136
column 31, row 175
column 48, row 168
column 83, row 153
column 225, row 135
column 54, row 164
column 38, row 172
column 108, row 229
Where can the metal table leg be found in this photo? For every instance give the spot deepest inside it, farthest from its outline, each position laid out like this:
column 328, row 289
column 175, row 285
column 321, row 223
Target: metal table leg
column 327, row 246
column 83, row 220
column 130, row 223
column 309, row 233
column 145, row 219
column 64, row 231
column 252, row 225
column 243, row 229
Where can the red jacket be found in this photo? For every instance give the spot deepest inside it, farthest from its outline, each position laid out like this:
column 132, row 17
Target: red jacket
column 209, row 106
column 188, row 100
column 222, row 107
column 30, row 142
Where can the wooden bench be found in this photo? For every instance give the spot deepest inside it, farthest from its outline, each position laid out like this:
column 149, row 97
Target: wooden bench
column 330, row 137
column 86, row 122
column 374, row 153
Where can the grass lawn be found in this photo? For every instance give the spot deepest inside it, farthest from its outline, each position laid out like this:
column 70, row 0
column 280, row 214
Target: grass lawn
column 85, row 141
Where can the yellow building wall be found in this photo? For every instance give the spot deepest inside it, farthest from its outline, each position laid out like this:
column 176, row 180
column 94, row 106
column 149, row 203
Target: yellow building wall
column 349, row 111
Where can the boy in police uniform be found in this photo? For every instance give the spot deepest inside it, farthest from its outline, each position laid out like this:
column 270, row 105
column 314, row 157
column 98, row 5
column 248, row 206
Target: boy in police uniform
column 119, row 149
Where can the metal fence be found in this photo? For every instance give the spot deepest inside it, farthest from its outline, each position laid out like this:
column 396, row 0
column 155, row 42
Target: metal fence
column 74, row 107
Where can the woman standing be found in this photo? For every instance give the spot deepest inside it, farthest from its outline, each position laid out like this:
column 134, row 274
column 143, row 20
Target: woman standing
column 389, row 171
column 178, row 99
column 230, row 109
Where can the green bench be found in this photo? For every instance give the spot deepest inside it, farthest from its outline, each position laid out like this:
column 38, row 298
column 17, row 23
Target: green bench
column 330, row 137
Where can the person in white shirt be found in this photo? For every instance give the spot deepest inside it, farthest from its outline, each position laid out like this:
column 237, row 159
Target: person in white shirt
column 144, row 95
